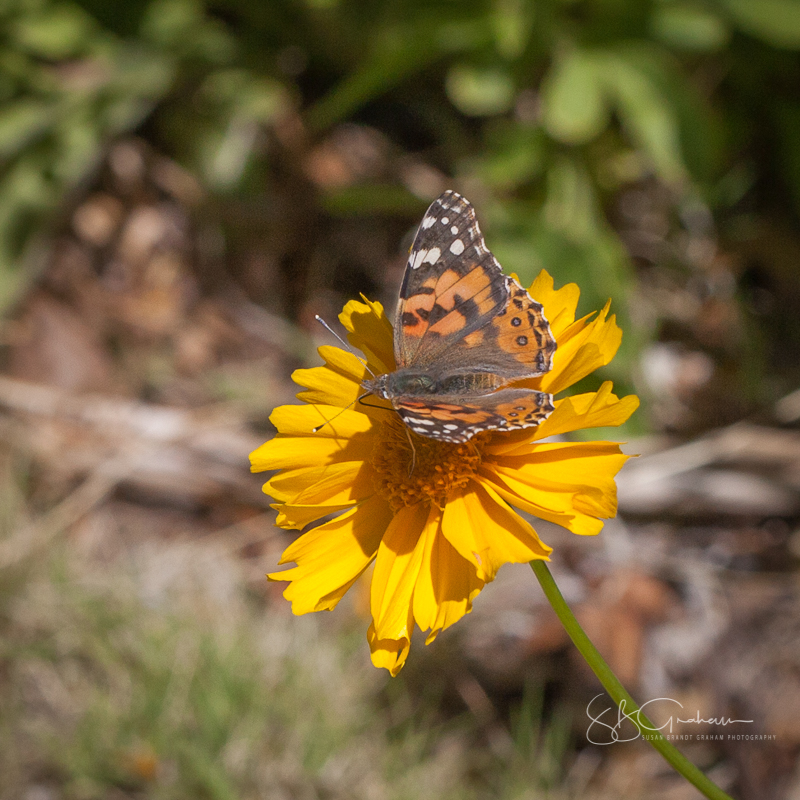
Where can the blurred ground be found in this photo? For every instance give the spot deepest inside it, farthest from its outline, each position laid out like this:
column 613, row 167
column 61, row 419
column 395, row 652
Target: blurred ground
column 144, row 654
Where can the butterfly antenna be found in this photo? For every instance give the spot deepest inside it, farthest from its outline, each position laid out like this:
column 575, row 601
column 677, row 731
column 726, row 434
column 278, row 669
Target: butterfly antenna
column 338, row 413
column 347, row 347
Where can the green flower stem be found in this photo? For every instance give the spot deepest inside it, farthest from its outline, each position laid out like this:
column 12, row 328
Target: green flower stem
column 617, row 691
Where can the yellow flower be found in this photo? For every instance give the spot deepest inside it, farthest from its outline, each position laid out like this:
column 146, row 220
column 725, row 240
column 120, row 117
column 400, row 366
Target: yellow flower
column 437, row 533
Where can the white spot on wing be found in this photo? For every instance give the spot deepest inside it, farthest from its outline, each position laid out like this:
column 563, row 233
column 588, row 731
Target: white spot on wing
column 417, row 259
column 454, row 230
column 457, row 247
column 445, row 220
column 428, row 221
column 432, row 256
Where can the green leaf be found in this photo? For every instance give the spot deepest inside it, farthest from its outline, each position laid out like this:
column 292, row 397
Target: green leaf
column 21, row 122
column 574, row 109
column 512, row 21
column 399, row 57
column 689, row 27
column 571, row 201
column 646, row 114
column 514, row 154
column 183, row 29
column 252, row 98
column 168, row 21
column 777, row 22
column 700, row 126
column 78, row 140
column 59, row 32
column 480, row 91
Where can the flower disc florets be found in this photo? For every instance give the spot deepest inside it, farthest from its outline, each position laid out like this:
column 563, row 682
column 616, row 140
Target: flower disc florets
column 410, row 469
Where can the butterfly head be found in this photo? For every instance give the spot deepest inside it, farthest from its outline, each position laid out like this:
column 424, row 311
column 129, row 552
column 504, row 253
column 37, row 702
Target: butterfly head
column 402, row 382
column 376, row 386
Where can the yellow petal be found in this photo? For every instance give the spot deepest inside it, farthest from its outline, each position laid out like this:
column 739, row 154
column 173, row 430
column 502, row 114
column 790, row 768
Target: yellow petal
column 570, row 370
column 291, row 485
column 559, row 500
column 397, row 566
column 486, row 532
column 570, row 483
column 390, row 654
column 446, row 585
column 338, row 423
column 285, row 486
column 584, row 469
column 591, row 410
column 600, row 409
column 556, row 508
column 559, row 305
column 293, row 452
column 329, row 558
column 341, row 482
column 370, row 332
column 582, row 348
column 295, row 516
column 338, row 383
column 322, row 491
column 348, row 365
column 347, row 438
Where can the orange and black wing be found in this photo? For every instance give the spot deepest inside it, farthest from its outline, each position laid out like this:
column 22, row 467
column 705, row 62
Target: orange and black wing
column 518, row 343
column 452, row 285
column 457, row 419
column 458, row 310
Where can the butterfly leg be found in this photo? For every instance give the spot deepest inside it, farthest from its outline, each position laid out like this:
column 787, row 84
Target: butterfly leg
column 413, row 451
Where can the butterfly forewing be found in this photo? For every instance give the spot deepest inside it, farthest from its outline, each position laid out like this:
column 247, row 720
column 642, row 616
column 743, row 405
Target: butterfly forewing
column 520, row 335
column 452, row 285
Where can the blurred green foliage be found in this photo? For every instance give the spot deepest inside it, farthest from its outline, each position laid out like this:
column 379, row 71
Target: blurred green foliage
column 542, row 110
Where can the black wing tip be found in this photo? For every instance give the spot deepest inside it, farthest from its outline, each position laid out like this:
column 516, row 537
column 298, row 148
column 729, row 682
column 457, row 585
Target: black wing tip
column 450, row 200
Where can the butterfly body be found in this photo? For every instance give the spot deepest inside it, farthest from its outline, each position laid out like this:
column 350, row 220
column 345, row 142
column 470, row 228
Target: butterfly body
column 411, row 382
column 464, row 334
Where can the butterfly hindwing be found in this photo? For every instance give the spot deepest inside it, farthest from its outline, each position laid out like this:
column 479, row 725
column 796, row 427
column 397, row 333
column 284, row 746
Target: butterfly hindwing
column 457, row 419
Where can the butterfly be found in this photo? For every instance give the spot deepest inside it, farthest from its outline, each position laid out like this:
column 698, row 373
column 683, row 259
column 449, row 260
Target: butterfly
column 464, row 331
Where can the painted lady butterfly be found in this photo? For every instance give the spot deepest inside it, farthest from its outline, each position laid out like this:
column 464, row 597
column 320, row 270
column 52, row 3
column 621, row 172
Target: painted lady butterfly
column 463, row 332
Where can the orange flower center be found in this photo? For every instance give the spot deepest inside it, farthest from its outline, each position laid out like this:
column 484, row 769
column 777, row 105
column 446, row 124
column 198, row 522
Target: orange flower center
column 428, row 471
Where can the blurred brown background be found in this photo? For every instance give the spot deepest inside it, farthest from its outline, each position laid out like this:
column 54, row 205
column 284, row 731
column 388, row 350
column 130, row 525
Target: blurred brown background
column 184, row 184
